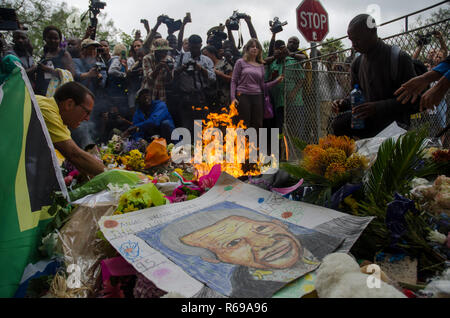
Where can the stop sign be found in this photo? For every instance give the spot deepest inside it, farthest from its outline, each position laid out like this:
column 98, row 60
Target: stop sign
column 312, row 20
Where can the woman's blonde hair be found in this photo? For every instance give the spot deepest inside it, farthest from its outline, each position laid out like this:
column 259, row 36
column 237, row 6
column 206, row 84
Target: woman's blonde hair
column 247, row 47
column 118, row 48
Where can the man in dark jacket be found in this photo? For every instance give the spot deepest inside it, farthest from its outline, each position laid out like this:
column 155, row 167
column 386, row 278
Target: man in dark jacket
column 379, row 72
column 151, row 118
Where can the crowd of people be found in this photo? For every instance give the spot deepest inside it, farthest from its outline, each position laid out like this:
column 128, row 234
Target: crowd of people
column 158, row 84
column 176, row 73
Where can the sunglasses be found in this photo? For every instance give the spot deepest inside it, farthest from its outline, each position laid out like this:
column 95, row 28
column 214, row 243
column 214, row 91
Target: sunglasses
column 87, row 111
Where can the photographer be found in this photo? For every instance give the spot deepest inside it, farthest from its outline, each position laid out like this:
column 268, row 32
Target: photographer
column 232, row 24
column 194, row 73
column 215, row 36
column 92, row 74
column 292, row 91
column 158, row 69
column 104, row 53
column 153, row 34
column 434, row 57
column 135, row 46
column 173, row 43
column 223, row 70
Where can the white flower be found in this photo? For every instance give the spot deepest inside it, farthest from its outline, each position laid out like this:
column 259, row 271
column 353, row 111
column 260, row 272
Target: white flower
column 117, row 191
column 437, row 237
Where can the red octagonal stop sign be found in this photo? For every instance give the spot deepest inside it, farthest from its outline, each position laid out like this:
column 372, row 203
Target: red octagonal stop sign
column 312, row 20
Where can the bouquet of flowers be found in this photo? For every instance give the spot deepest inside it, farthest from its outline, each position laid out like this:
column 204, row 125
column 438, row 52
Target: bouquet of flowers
column 328, row 166
column 139, row 198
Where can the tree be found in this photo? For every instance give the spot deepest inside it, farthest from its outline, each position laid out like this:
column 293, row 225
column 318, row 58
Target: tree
column 37, row 14
column 265, row 52
column 328, row 47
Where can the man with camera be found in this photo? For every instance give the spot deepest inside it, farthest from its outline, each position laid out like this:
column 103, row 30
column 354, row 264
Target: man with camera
column 194, row 73
column 293, row 91
column 434, row 57
column 158, row 69
column 92, row 74
column 232, row 24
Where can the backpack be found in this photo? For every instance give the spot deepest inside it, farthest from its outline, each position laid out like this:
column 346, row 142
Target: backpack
column 419, row 67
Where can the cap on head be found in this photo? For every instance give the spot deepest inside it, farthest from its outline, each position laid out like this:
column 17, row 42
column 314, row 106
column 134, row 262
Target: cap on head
column 161, row 45
column 88, row 42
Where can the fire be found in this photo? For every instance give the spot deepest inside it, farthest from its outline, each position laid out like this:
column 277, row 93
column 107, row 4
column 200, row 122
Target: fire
column 231, row 160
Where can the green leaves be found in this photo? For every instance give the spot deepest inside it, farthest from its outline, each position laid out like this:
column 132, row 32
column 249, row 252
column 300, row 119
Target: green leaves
column 396, row 165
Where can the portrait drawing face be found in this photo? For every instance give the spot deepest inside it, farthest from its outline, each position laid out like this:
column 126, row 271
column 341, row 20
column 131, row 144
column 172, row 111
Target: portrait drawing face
column 242, row 241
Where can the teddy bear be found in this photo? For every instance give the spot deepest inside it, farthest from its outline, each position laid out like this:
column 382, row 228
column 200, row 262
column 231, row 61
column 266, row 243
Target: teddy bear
column 339, row 276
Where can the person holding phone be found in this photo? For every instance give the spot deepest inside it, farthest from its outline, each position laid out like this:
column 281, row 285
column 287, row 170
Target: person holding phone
column 54, row 57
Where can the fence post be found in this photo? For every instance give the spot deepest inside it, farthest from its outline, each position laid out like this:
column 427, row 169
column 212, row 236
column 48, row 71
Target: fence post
column 315, row 88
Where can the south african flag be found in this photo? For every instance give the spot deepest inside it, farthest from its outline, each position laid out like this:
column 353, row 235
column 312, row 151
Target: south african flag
column 29, row 174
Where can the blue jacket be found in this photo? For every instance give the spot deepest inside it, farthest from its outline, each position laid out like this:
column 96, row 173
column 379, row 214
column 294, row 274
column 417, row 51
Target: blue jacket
column 444, row 68
column 158, row 114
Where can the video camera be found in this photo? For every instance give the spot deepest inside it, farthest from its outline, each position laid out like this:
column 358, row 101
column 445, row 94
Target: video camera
column 172, row 25
column 276, row 26
column 234, row 20
column 100, row 66
column 98, row 4
column 94, row 9
column 191, row 65
column 424, row 39
column 216, row 35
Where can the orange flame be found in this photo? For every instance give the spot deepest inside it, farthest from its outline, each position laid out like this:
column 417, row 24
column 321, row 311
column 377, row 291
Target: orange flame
column 233, row 166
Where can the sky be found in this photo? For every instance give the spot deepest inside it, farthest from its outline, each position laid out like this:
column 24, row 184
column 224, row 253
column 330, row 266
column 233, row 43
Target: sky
column 208, row 13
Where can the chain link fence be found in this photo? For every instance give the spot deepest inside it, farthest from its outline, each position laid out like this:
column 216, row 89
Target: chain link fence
column 312, row 119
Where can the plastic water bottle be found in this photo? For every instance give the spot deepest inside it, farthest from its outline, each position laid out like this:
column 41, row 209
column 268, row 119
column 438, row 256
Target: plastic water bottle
column 357, row 98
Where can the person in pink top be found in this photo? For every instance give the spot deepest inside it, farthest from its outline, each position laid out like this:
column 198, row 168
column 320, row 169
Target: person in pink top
column 247, row 85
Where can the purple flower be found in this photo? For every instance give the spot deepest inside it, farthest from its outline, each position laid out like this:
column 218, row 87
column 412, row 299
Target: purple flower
column 395, row 217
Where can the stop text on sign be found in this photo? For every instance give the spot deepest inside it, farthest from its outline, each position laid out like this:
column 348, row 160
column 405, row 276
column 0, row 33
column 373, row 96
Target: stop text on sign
column 312, row 20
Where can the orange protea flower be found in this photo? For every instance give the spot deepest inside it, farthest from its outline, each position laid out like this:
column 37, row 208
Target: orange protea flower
column 344, row 143
column 333, row 155
column 313, row 158
column 356, row 161
column 335, row 171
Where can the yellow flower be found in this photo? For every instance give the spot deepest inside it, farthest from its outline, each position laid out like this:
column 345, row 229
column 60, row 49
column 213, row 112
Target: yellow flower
column 333, row 155
column 108, row 159
column 343, row 142
column 137, row 193
column 335, row 171
column 356, row 161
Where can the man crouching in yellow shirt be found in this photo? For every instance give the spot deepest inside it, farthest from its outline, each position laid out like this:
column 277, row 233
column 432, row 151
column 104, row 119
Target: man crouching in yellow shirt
column 71, row 104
